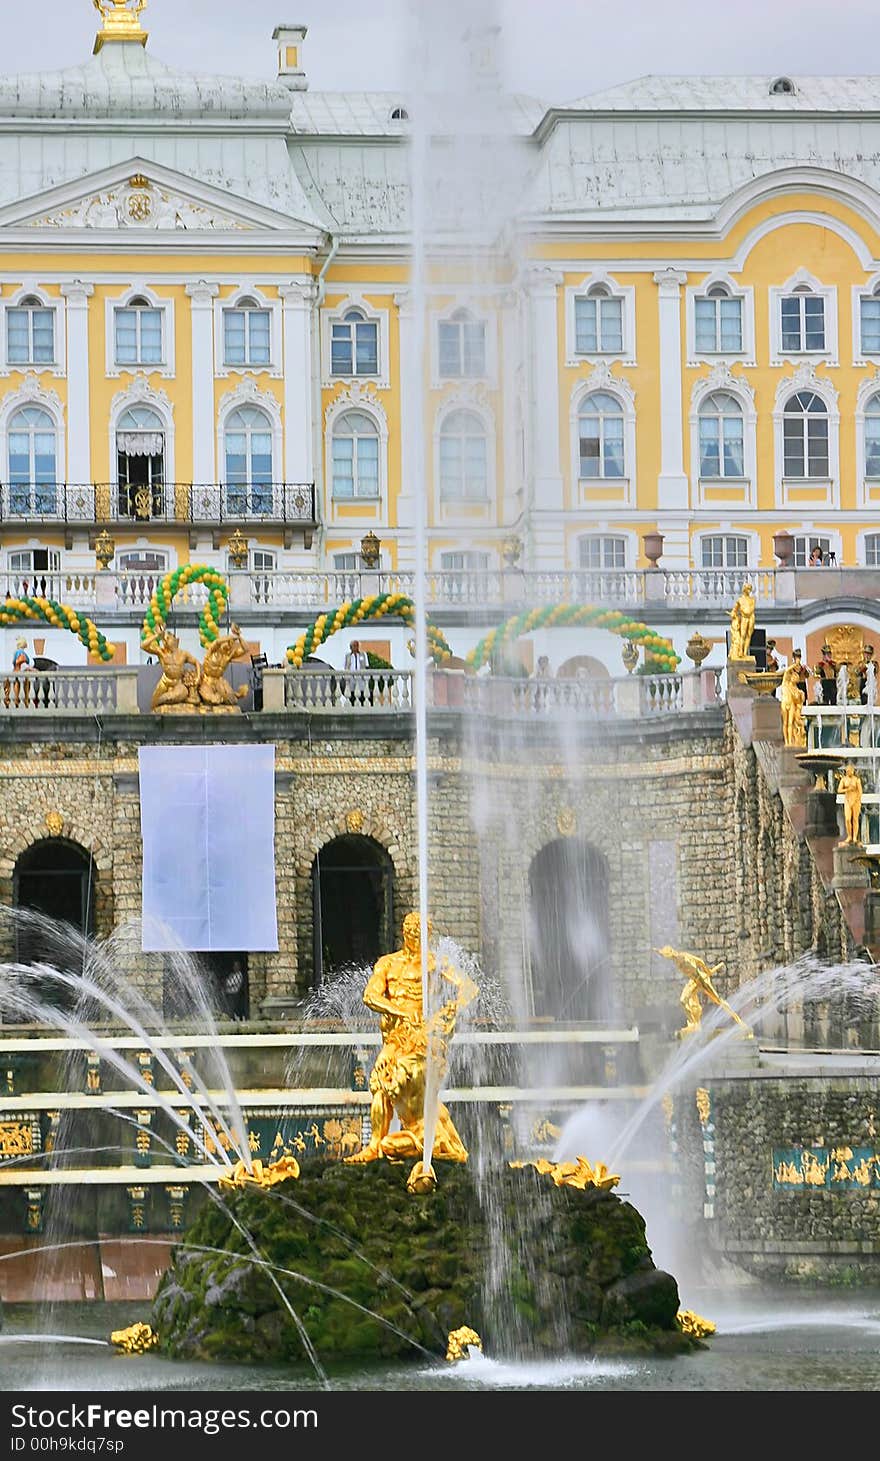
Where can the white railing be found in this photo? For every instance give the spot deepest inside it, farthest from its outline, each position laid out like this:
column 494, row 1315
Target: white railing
column 59, row 692
column 719, row 586
column 358, row 691
column 584, row 586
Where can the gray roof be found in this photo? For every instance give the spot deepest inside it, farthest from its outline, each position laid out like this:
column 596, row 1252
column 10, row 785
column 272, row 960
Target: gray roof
column 125, row 80
column 735, row 93
column 368, row 113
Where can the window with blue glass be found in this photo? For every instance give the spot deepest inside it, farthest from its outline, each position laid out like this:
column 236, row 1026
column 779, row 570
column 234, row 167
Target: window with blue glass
column 247, row 334
column 33, row 446
column 354, row 345
column 600, row 436
column 721, row 436
column 355, row 456
column 30, row 333
column 248, row 454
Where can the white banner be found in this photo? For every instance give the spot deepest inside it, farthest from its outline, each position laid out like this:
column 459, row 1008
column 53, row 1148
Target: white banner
column 208, row 828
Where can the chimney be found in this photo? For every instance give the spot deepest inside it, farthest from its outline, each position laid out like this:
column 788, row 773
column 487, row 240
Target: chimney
column 290, row 40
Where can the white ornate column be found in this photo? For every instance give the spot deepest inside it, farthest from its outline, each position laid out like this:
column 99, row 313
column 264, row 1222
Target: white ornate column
column 673, row 493
column 202, row 296
column 299, row 384
column 411, row 403
column 547, row 497
column 79, row 441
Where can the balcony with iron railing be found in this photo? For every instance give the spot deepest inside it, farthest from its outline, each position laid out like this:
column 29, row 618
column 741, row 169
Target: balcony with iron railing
column 172, row 503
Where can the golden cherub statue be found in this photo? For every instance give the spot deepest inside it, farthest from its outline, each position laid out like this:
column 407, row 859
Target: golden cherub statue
column 742, row 624
column 849, row 783
column 397, row 1081
column 699, row 981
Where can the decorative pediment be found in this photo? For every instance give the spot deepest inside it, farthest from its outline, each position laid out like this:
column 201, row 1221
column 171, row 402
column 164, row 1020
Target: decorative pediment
column 248, row 393
column 139, row 203
column 355, row 397
column 602, row 378
column 722, row 378
column 806, row 379
column 144, row 195
column 141, row 393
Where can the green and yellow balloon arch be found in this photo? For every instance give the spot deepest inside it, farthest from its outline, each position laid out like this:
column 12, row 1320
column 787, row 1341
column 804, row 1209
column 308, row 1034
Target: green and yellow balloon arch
column 660, row 657
column 172, row 583
column 57, row 616
column 358, row 611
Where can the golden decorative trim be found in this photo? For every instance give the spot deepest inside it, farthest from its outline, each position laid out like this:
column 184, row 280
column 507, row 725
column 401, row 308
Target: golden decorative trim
column 354, row 820
column 54, row 824
column 703, row 1105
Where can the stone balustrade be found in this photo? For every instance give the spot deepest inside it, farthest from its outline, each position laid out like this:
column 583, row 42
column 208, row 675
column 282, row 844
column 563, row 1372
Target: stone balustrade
column 96, row 690
column 651, row 591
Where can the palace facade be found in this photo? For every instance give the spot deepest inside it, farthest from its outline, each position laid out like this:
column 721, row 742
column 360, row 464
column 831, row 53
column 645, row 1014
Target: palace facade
column 206, row 308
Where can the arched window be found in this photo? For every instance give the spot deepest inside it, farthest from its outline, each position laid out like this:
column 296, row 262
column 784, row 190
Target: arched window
column 803, row 321
column 140, row 462
column 872, row 437
column 783, row 86
column 805, row 436
column 399, row 114
column 464, row 471
column 355, row 450
column 55, row 882
column 870, row 322
column 354, row 345
column 721, row 436
column 30, row 333
column 33, row 446
column 247, row 334
column 600, row 434
column 461, row 346
column 598, row 322
column 718, row 322
column 138, row 333
column 247, row 443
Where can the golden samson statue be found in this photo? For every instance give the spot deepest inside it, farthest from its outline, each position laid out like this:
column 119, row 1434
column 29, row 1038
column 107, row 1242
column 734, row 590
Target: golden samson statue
column 187, row 688
column 397, row 1080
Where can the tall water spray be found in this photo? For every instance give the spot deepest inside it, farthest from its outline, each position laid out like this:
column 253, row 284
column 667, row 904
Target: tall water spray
column 462, row 172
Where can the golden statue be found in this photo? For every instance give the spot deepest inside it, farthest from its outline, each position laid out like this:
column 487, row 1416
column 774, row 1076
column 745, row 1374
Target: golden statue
column 215, row 691
column 136, row 1339
column 742, row 624
column 397, row 1080
column 122, row 21
column 792, row 698
column 579, row 1174
column 699, row 981
column 849, row 783
column 185, row 686
column 461, row 1342
column 178, row 687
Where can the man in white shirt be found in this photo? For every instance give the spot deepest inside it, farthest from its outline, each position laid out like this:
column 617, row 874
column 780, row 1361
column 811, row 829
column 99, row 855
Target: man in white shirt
column 356, row 659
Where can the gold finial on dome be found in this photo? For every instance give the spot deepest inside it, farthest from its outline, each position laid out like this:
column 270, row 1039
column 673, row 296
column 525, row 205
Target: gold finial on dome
column 122, row 22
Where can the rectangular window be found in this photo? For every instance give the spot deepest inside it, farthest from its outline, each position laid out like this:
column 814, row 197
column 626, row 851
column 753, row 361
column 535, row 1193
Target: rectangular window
column 138, row 336
column 718, row 326
column 355, row 466
column 598, row 325
column 870, row 313
column 30, row 336
column 471, row 562
column 803, row 323
column 596, row 553
column 461, row 349
column 247, row 336
column 803, row 547
column 354, row 347
column 724, row 551
column 872, row 550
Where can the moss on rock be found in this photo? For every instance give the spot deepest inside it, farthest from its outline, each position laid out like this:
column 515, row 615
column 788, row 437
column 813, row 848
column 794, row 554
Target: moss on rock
column 373, row 1272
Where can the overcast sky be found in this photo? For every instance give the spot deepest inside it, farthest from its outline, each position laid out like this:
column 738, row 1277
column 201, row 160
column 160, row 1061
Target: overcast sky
column 554, row 49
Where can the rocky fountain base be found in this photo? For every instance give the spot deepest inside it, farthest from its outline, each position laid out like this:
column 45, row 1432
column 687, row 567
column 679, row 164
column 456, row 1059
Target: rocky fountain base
column 561, row 1270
